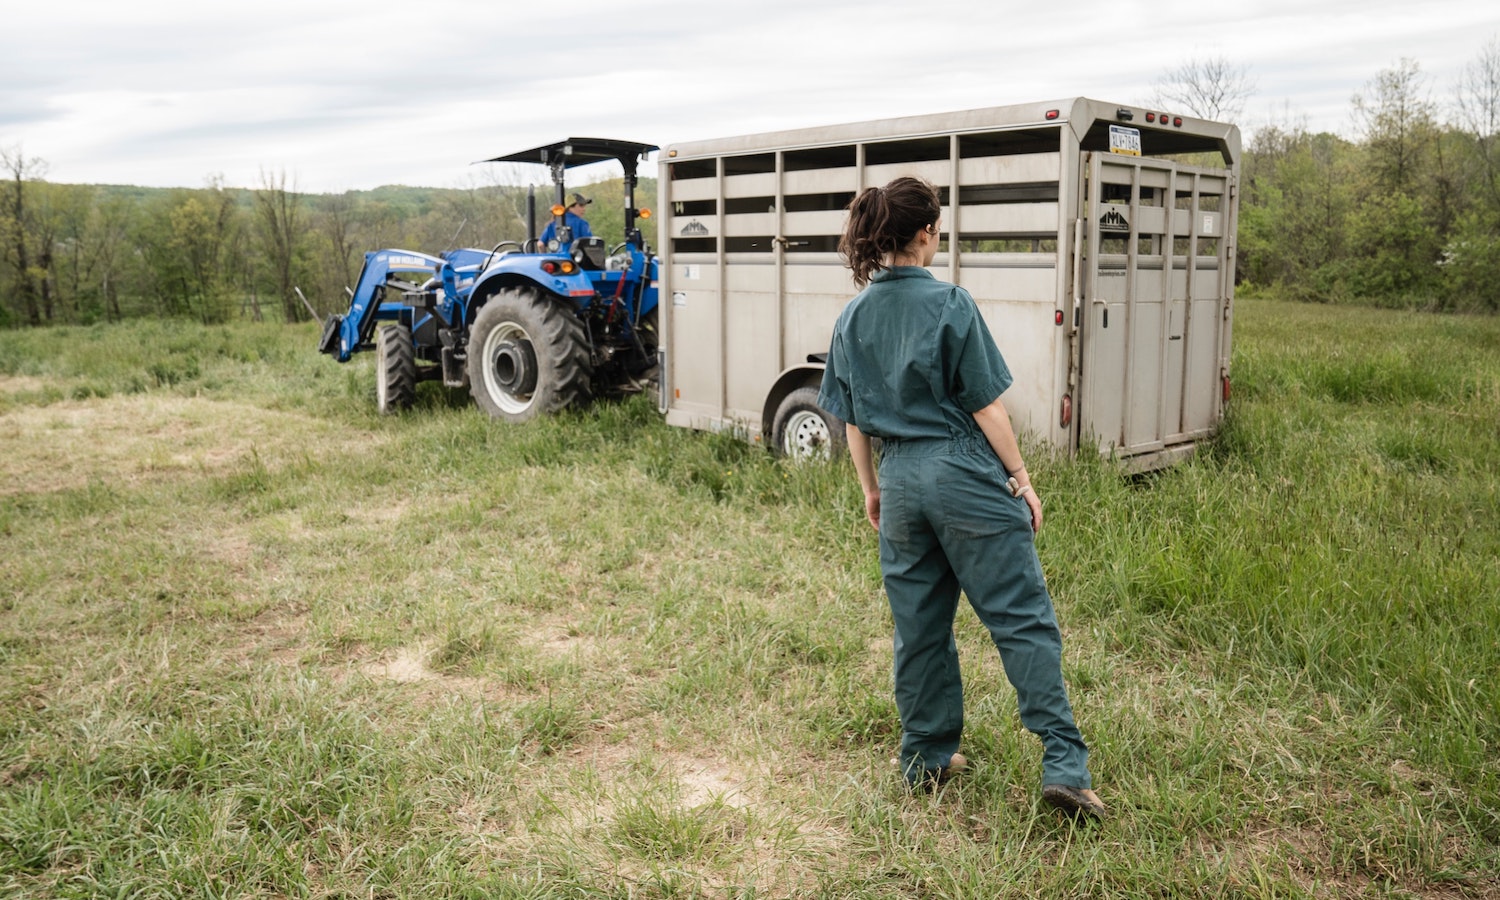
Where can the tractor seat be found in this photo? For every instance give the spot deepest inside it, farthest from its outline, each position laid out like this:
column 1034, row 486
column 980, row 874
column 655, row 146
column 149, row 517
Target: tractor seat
column 588, row 252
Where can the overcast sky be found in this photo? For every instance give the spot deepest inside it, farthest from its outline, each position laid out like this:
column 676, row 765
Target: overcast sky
column 353, row 95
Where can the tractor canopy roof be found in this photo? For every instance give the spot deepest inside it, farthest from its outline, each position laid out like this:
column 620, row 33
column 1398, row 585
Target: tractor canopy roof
column 580, row 151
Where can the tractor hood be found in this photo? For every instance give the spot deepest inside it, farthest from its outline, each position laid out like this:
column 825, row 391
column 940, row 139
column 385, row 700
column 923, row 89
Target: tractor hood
column 581, row 152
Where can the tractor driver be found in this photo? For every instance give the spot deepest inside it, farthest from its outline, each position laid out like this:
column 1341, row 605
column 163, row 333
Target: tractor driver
column 573, row 218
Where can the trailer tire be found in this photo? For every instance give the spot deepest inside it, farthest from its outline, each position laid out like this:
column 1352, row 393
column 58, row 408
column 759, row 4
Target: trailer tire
column 801, row 429
column 528, row 356
column 395, row 370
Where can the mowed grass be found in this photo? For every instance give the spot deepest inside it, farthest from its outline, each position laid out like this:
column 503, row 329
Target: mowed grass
column 256, row 641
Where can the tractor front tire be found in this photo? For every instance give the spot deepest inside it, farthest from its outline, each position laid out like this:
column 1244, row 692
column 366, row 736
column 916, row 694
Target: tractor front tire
column 528, row 356
column 802, row 429
column 395, row 370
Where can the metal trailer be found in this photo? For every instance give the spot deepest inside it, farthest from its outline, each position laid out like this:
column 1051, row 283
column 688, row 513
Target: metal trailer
column 1097, row 240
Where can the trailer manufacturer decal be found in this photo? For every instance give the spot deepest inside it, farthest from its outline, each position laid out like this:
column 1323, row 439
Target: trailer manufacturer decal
column 693, row 228
column 1114, row 220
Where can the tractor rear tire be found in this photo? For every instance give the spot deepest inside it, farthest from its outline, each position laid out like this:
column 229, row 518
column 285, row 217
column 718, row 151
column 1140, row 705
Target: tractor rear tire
column 395, row 370
column 528, row 356
column 803, row 430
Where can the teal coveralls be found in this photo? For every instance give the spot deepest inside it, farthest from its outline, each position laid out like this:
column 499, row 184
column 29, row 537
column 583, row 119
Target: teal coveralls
column 910, row 362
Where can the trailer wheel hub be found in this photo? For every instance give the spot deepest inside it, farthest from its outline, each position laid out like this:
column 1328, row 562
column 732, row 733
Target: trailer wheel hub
column 514, row 365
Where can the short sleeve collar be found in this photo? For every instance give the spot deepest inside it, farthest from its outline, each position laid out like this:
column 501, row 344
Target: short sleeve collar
column 894, row 272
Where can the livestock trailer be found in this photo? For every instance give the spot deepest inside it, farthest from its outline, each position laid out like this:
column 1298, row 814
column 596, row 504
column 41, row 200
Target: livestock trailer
column 1097, row 240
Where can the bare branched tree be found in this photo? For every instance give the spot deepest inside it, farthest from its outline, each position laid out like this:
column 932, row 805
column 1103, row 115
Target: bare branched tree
column 279, row 214
column 1479, row 112
column 1211, row 88
column 15, row 220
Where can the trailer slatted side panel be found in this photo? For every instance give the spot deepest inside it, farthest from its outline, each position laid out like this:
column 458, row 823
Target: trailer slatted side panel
column 1105, row 279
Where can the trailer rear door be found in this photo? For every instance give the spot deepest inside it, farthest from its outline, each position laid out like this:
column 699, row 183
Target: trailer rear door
column 1157, row 283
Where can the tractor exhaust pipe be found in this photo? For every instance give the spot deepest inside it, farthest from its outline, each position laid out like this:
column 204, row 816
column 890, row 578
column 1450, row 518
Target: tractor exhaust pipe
column 531, row 231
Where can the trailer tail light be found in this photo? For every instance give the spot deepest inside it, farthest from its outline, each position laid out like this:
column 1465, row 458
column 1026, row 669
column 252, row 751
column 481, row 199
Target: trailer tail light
column 1067, row 411
column 559, row 267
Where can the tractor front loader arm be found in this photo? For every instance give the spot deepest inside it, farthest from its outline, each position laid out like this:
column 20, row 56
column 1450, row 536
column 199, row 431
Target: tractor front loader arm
column 353, row 331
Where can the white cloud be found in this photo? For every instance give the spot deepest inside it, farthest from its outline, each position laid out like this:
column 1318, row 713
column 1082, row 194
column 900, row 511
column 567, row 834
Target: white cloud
column 353, row 95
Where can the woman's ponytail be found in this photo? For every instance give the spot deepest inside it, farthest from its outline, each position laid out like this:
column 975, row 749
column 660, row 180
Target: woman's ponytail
column 883, row 221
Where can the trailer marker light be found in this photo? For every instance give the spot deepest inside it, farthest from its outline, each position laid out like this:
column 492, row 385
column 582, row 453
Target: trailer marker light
column 1226, row 388
column 1177, row 121
column 558, row 209
column 643, row 213
column 1150, row 117
column 671, row 153
column 1067, row 410
column 1058, row 317
column 1052, row 114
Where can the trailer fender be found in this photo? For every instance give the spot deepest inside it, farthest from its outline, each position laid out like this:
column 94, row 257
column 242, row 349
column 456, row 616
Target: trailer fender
column 809, row 374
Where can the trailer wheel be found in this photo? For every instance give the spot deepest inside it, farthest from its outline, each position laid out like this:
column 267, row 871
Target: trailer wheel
column 804, row 430
column 528, row 356
column 395, row 370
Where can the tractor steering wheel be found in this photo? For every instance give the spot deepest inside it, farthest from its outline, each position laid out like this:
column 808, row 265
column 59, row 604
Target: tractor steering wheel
column 496, row 249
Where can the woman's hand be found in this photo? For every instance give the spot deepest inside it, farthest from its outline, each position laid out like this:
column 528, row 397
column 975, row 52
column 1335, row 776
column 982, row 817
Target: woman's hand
column 1035, row 502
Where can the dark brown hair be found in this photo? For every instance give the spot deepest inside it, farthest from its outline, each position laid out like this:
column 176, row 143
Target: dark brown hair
column 884, row 220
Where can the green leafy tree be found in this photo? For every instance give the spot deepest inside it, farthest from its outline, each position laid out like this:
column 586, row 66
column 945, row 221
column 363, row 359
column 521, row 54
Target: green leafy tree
column 1394, row 250
column 1471, row 264
column 1299, row 192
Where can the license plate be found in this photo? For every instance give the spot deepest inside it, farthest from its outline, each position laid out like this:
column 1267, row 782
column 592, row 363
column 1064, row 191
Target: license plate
column 1124, row 141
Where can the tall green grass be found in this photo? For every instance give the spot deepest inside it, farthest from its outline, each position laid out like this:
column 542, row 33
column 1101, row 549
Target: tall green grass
column 257, row 641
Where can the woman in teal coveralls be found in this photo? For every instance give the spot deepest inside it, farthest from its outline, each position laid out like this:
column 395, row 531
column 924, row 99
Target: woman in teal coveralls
column 913, row 364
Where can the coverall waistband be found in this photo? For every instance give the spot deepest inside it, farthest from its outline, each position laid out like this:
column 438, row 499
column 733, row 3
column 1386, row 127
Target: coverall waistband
column 948, row 446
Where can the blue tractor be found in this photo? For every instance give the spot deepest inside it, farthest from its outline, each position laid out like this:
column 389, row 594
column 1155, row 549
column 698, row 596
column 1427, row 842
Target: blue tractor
column 527, row 328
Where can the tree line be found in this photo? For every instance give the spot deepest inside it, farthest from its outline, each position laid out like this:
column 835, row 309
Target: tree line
column 1406, row 212
column 86, row 253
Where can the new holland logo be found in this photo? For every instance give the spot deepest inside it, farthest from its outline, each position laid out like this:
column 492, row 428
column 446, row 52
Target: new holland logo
column 694, row 228
column 1113, row 221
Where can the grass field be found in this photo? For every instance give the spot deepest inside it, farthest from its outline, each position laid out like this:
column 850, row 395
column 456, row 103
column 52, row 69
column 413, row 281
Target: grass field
column 257, row 642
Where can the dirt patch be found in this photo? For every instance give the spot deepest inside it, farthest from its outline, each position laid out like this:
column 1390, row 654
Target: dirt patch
column 24, row 384
column 128, row 440
column 408, row 666
column 706, row 781
column 276, row 636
